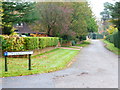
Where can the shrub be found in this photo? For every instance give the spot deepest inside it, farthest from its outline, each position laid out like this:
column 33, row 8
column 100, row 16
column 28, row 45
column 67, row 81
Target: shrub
column 10, row 43
column 110, row 38
column 99, row 36
column 83, row 37
column 49, row 41
column 31, row 43
column 116, row 37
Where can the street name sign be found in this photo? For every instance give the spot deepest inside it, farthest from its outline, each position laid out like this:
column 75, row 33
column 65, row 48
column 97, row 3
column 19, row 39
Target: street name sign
column 18, row 53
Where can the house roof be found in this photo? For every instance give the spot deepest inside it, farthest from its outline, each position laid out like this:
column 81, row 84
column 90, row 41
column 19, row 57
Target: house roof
column 25, row 29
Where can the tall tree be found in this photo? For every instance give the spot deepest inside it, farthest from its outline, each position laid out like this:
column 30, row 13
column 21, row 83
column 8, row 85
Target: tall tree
column 15, row 12
column 54, row 17
column 112, row 11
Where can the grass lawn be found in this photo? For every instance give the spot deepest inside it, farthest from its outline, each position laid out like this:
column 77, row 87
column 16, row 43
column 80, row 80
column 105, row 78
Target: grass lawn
column 110, row 46
column 73, row 47
column 83, row 44
column 53, row 60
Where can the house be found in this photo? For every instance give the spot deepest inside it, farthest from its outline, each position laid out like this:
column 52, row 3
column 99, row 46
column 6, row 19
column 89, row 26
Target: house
column 23, row 29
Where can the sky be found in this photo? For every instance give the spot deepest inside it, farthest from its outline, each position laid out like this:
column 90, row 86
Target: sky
column 97, row 6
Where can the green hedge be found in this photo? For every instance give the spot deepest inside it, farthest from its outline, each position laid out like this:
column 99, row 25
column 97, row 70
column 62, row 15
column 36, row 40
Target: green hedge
column 31, row 43
column 114, row 38
column 110, row 38
column 49, row 41
column 10, row 43
column 99, row 36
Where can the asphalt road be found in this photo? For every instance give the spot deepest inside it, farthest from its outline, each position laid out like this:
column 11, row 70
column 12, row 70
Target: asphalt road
column 95, row 67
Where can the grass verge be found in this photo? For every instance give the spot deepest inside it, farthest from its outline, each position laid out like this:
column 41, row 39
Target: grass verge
column 53, row 60
column 111, row 47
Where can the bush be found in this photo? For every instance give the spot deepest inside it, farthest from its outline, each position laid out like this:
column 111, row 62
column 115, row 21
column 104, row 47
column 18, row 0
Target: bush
column 49, row 41
column 99, row 36
column 116, row 37
column 10, row 43
column 110, row 38
column 31, row 43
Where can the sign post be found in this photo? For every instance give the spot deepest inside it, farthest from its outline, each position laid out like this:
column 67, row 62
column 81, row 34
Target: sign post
column 18, row 53
column 6, row 63
column 29, row 62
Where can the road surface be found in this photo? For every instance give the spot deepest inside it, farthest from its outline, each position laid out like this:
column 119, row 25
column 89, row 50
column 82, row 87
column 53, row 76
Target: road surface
column 95, row 67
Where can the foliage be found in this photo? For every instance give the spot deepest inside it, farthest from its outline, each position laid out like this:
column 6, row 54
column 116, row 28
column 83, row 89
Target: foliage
column 65, row 20
column 110, row 38
column 12, row 43
column 31, row 43
column 113, row 11
column 112, row 29
column 49, row 41
column 99, row 36
column 116, row 37
column 54, row 17
column 111, row 47
column 16, row 12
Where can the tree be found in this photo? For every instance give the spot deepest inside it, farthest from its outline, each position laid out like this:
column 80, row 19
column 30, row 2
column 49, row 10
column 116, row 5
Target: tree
column 54, row 17
column 82, row 19
column 112, row 11
column 15, row 12
column 115, row 13
column 66, row 20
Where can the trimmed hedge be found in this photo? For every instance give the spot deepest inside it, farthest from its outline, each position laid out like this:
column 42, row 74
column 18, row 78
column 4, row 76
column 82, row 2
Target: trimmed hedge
column 50, row 41
column 114, row 38
column 99, row 36
column 31, row 43
column 110, row 38
column 10, row 43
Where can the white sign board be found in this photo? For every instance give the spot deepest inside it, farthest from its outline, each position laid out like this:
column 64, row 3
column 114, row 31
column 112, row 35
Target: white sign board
column 17, row 53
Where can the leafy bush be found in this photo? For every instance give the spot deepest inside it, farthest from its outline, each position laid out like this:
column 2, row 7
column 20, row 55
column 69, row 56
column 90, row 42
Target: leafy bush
column 73, row 43
column 110, row 38
column 99, row 36
column 116, row 37
column 31, row 43
column 49, row 41
column 10, row 43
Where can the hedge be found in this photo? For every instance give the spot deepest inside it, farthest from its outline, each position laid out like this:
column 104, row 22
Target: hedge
column 110, row 38
column 10, row 43
column 114, row 38
column 31, row 43
column 50, row 41
column 99, row 36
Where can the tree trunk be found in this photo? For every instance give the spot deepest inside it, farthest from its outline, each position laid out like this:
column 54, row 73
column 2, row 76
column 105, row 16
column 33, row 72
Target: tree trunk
column 49, row 30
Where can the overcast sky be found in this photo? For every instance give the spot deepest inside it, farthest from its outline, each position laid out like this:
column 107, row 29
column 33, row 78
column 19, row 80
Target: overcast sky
column 97, row 6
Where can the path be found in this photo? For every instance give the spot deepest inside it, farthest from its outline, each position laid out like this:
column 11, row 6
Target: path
column 95, row 67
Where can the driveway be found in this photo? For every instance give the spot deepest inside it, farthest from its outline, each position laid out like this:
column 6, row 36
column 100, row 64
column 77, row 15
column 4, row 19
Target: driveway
column 95, row 67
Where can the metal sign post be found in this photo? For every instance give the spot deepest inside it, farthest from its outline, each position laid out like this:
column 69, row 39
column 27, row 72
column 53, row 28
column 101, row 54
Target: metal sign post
column 6, row 63
column 18, row 53
column 29, row 62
